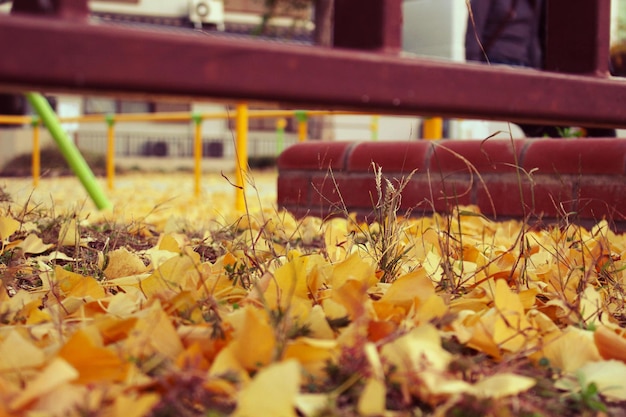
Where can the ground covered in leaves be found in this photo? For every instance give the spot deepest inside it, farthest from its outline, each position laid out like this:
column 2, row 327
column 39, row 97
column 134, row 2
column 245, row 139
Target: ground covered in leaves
column 172, row 305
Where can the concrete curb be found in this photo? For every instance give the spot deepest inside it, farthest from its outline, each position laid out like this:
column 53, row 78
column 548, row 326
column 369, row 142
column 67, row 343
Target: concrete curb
column 545, row 180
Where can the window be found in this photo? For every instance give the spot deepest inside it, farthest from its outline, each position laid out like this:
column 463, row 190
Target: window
column 100, row 105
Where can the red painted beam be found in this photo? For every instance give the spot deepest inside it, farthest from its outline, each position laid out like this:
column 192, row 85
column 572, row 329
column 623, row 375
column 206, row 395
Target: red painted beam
column 73, row 56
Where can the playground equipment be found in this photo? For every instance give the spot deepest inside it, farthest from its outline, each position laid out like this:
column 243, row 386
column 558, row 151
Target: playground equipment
column 69, row 150
column 241, row 116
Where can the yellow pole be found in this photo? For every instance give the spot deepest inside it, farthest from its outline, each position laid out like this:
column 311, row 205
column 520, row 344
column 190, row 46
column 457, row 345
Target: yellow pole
column 433, row 128
column 36, row 151
column 241, row 154
column 110, row 150
column 302, row 130
column 197, row 152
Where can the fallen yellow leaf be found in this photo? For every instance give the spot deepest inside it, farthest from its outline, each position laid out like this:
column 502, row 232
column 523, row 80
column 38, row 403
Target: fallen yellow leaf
column 55, row 374
column 94, row 363
column 272, row 392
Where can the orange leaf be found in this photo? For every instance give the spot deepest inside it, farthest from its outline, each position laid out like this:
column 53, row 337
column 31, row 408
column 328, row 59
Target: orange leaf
column 611, row 344
column 94, row 363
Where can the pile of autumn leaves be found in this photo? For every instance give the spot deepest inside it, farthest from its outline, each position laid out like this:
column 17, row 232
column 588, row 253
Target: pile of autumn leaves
column 291, row 316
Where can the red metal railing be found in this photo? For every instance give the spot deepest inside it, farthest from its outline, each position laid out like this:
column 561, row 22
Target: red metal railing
column 60, row 50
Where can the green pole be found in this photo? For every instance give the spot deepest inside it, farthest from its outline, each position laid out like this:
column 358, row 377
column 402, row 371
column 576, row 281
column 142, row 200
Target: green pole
column 72, row 155
column 280, row 135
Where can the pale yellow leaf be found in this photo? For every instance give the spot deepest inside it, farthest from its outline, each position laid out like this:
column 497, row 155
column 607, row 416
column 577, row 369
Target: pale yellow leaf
column 313, row 354
column 318, row 325
column 123, row 304
column 68, row 234
column 177, row 273
column 76, row 285
column 511, row 328
column 408, row 287
column 272, row 392
column 33, row 244
column 372, row 399
column 55, row 255
column 153, row 333
column 502, row 385
column 302, row 277
column 170, row 243
column 134, row 405
column 354, row 268
column 418, row 349
column 609, row 377
column 252, row 329
column 431, row 308
column 17, row 353
column 8, row 226
column 561, row 355
column 55, row 374
column 64, row 400
column 123, row 263
column 311, row 405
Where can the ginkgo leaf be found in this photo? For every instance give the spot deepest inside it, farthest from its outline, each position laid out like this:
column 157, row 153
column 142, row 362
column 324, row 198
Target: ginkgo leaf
column 609, row 377
column 253, row 340
column 431, row 308
column 55, row 374
column 8, row 226
column 311, row 405
column 559, row 350
column 94, row 363
column 353, row 268
column 153, row 333
column 17, row 352
column 611, row 343
column 123, row 263
column 168, row 242
column 77, row 285
column 272, row 392
column 318, row 324
column 302, row 277
column 62, row 401
column 372, row 399
column 56, row 256
column 177, row 273
column 313, row 354
column 68, row 234
column 511, row 327
column 134, row 405
column 352, row 294
column 33, row 244
column 502, row 385
column 418, row 349
column 408, row 287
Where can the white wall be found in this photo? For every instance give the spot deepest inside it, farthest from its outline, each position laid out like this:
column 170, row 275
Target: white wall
column 435, row 28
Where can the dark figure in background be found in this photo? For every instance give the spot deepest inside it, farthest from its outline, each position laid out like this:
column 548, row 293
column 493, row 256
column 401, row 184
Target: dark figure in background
column 512, row 32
